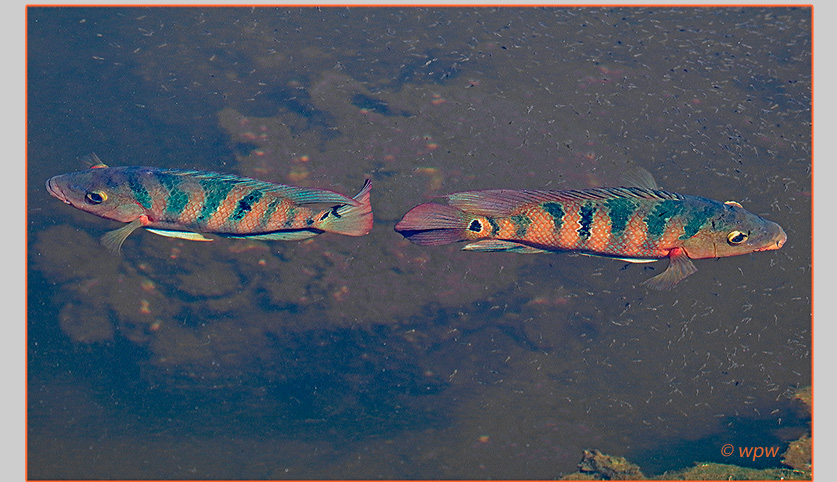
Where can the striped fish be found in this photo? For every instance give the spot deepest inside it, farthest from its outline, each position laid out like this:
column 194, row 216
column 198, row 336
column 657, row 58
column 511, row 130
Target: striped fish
column 635, row 224
column 188, row 204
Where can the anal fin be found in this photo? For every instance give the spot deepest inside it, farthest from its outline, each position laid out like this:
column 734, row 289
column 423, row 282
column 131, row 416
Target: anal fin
column 629, row 260
column 493, row 245
column 295, row 235
column 188, row 235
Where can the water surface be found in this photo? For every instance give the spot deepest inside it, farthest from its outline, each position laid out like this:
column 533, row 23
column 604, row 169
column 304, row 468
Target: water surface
column 374, row 358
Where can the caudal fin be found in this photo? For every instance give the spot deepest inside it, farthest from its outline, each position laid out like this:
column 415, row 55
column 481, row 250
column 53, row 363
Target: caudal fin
column 433, row 224
column 348, row 219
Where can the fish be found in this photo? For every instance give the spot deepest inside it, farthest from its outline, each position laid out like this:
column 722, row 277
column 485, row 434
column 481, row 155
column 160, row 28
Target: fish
column 639, row 223
column 189, row 204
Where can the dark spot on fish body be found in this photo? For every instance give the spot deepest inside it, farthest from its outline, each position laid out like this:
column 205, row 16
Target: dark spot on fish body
column 240, row 211
column 495, row 228
column 271, row 209
column 696, row 221
column 475, row 226
column 290, row 216
column 658, row 218
column 556, row 211
column 588, row 210
column 521, row 223
column 620, row 211
column 333, row 212
column 245, row 205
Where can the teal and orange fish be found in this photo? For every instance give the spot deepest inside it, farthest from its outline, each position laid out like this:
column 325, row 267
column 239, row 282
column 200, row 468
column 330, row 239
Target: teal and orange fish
column 184, row 204
column 635, row 224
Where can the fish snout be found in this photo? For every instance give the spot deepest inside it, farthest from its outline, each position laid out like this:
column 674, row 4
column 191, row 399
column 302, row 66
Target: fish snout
column 780, row 241
column 777, row 238
column 55, row 190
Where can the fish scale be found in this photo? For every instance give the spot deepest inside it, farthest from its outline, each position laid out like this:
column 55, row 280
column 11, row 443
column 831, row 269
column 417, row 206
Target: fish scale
column 581, row 226
column 636, row 224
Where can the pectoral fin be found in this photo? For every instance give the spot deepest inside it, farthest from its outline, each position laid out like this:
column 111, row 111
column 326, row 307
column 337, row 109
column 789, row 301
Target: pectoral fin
column 679, row 267
column 113, row 240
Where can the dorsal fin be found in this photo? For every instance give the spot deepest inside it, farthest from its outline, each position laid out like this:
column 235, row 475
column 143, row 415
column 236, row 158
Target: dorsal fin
column 505, row 202
column 93, row 161
column 639, row 177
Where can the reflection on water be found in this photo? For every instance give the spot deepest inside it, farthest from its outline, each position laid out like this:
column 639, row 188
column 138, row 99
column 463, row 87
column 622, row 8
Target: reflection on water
column 373, row 358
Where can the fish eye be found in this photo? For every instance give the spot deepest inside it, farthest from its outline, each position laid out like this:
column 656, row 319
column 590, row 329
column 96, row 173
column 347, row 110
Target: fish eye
column 737, row 237
column 96, row 197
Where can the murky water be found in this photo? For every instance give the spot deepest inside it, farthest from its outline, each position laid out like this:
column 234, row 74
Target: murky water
column 373, row 358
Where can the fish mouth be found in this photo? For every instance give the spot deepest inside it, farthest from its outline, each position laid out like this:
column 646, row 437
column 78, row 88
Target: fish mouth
column 778, row 241
column 53, row 189
column 781, row 242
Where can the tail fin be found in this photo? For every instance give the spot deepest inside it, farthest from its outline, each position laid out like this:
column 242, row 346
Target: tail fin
column 350, row 220
column 433, row 224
